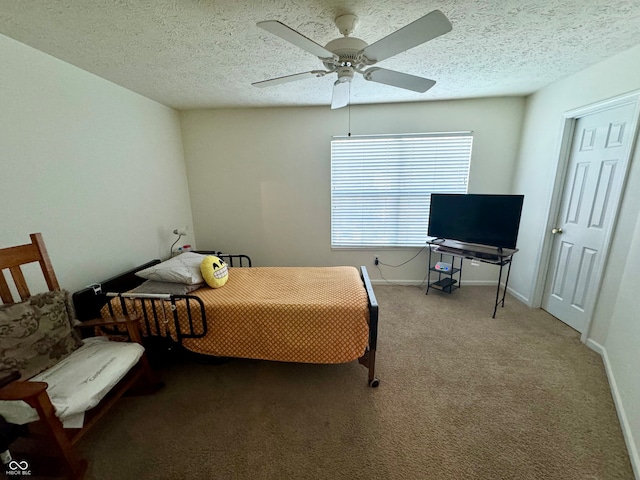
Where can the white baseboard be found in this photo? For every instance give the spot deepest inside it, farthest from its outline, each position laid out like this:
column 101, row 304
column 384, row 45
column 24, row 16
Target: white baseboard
column 479, row 283
column 519, row 296
column 470, row 283
column 622, row 416
column 379, row 281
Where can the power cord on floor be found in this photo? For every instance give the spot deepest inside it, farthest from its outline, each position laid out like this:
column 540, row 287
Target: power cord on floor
column 378, row 263
column 381, row 275
column 392, row 283
column 403, row 263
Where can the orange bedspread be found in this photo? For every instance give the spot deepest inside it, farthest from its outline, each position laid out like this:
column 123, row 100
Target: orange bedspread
column 289, row 314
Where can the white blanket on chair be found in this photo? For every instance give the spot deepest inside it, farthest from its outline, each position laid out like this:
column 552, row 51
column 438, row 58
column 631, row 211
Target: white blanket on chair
column 80, row 381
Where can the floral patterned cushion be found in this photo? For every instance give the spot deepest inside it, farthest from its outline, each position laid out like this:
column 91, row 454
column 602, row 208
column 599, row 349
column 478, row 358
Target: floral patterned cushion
column 37, row 333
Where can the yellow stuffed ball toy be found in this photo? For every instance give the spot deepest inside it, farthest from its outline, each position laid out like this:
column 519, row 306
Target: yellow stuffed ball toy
column 214, row 271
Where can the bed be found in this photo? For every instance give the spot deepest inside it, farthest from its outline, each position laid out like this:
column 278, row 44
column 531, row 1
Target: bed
column 286, row 314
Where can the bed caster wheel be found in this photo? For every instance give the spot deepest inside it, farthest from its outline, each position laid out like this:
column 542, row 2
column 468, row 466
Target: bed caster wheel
column 374, row 383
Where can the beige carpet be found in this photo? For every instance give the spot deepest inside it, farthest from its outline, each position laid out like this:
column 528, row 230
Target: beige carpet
column 462, row 396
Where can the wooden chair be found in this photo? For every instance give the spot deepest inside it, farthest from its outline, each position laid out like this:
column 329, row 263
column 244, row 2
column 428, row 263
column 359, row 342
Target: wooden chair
column 35, row 393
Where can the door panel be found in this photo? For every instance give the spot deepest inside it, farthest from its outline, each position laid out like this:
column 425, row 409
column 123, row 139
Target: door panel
column 603, row 193
column 577, row 192
column 561, row 270
column 594, row 179
column 584, row 277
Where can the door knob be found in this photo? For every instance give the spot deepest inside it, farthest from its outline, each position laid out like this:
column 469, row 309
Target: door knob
column 556, row 231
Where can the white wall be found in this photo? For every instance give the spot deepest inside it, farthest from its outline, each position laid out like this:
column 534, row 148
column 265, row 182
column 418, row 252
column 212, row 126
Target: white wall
column 260, row 178
column 98, row 169
column 622, row 346
column 615, row 321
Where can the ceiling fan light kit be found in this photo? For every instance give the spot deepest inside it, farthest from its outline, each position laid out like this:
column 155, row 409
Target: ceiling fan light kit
column 347, row 56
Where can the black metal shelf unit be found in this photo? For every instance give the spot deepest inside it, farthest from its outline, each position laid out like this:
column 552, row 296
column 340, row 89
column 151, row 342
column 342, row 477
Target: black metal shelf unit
column 446, row 280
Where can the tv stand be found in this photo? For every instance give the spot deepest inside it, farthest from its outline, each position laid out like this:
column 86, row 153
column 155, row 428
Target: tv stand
column 493, row 255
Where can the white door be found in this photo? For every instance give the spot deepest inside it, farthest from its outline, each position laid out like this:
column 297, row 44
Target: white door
column 596, row 169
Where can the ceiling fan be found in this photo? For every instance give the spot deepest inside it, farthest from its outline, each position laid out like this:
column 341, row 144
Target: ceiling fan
column 349, row 55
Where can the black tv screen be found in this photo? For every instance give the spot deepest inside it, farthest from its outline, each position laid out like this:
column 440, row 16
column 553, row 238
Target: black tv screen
column 491, row 220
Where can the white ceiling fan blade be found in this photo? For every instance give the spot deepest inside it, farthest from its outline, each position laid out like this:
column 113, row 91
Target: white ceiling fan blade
column 398, row 79
column 299, row 40
column 340, row 94
column 422, row 30
column 289, row 78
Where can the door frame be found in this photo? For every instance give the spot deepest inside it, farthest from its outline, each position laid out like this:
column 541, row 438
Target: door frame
column 567, row 132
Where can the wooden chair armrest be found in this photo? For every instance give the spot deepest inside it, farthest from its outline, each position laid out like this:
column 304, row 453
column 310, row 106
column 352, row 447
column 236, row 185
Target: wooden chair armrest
column 21, row 390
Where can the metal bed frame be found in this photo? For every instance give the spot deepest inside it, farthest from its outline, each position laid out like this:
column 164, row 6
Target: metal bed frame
column 94, row 297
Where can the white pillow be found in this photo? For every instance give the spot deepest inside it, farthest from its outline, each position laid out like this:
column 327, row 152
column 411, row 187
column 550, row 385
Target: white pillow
column 185, row 268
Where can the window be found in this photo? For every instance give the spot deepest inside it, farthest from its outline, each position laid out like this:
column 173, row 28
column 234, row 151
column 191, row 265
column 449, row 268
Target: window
column 381, row 185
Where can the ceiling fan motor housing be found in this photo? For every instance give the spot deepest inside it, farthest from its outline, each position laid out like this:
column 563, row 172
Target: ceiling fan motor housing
column 348, row 49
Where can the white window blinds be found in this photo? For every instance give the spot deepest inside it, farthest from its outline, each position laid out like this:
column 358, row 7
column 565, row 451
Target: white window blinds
column 381, row 185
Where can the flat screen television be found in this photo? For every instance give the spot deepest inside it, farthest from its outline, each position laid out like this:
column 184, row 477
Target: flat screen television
column 492, row 220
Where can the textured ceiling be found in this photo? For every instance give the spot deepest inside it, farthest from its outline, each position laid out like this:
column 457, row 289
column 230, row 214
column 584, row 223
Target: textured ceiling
column 205, row 53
